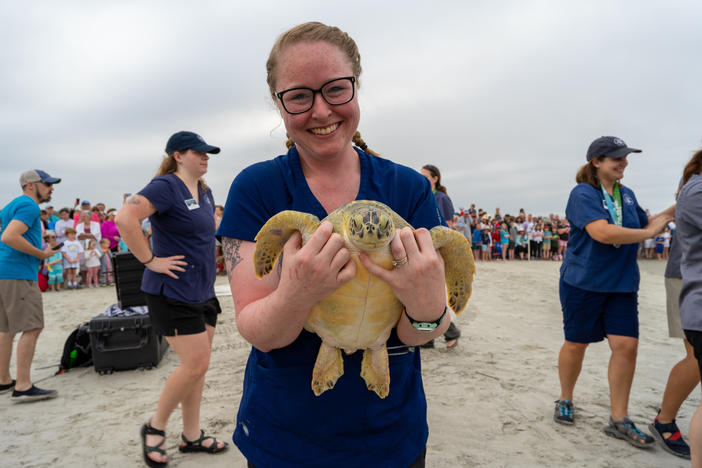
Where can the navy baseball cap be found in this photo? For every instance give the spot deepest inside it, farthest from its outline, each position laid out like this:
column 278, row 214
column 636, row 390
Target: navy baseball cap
column 609, row 146
column 183, row 140
column 35, row 175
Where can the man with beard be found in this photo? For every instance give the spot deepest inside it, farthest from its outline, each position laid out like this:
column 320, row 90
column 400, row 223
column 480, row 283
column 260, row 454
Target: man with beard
column 21, row 308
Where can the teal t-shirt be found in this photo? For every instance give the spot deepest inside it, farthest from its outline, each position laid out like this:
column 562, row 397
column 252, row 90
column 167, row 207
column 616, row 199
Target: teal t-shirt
column 13, row 263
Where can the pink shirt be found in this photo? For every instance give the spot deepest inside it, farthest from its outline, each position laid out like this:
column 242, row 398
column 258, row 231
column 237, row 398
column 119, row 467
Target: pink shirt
column 109, row 231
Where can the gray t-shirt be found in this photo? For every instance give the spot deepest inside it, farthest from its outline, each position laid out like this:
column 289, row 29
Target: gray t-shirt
column 688, row 217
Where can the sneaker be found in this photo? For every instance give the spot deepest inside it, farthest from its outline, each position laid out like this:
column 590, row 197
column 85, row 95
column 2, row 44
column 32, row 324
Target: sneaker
column 563, row 413
column 33, row 394
column 4, row 388
column 674, row 443
column 428, row 345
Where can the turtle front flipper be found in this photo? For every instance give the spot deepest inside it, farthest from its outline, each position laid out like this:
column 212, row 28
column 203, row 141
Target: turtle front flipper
column 275, row 233
column 375, row 370
column 327, row 369
column 459, row 265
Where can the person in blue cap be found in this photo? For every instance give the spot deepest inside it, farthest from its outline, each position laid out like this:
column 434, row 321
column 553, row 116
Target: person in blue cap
column 21, row 307
column 179, row 284
column 313, row 71
column 600, row 280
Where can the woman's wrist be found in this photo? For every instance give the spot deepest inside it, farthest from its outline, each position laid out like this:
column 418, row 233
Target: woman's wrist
column 153, row 255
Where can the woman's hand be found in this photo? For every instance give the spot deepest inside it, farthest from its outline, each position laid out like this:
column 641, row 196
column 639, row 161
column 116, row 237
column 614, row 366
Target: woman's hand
column 167, row 265
column 317, row 269
column 419, row 283
column 656, row 224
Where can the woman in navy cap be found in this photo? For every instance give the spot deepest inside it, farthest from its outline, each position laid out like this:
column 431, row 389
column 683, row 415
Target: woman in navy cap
column 600, row 279
column 179, row 284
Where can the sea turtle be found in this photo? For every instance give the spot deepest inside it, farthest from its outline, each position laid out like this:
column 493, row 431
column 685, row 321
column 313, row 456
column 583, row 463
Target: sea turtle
column 361, row 313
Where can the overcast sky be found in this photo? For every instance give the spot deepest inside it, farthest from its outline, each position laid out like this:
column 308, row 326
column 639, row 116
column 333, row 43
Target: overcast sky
column 503, row 96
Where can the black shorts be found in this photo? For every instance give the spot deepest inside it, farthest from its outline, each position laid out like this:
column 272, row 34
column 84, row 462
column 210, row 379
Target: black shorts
column 170, row 317
column 695, row 339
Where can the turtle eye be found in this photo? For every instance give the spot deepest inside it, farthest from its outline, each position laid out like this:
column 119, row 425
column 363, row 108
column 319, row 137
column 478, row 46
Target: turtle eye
column 384, row 226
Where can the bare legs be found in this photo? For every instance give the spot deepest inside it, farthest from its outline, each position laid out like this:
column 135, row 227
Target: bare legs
column 25, row 353
column 621, row 370
column 683, row 378
column 184, row 386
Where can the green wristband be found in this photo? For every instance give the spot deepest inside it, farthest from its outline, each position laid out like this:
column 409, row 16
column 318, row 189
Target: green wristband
column 426, row 326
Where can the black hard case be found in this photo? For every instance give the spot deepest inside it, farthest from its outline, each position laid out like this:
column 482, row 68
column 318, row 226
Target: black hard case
column 120, row 343
column 128, row 274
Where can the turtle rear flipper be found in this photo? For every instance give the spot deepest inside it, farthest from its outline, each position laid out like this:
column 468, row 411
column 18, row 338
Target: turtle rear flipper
column 328, row 367
column 275, row 233
column 375, row 370
column 459, row 265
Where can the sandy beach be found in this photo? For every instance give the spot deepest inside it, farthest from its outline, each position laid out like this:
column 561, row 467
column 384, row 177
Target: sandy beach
column 490, row 399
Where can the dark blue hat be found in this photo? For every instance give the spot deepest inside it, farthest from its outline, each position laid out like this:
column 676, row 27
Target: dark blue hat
column 35, row 175
column 183, row 140
column 609, row 146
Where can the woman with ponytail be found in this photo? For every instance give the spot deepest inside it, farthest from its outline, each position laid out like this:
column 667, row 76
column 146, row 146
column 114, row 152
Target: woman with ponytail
column 313, row 75
column 445, row 205
column 600, row 280
column 688, row 219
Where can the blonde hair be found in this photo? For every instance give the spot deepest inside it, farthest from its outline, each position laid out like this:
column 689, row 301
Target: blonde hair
column 315, row 31
column 169, row 166
column 693, row 166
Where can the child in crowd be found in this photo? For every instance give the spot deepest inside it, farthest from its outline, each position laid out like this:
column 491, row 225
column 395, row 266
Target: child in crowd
column 105, row 263
column 92, row 263
column 72, row 251
column 554, row 244
column 477, row 243
column 53, row 264
column 659, row 246
column 520, row 243
column 546, row 248
column 487, row 243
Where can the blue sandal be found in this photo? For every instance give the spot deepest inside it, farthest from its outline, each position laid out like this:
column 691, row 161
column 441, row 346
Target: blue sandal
column 625, row 429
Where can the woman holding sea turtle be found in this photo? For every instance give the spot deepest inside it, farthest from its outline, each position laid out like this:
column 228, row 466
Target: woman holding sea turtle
column 313, row 72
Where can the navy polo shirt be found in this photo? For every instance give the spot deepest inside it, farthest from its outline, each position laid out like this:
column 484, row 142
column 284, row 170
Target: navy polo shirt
column 592, row 265
column 181, row 226
column 281, row 422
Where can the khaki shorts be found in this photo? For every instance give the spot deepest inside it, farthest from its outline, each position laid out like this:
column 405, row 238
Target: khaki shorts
column 672, row 306
column 21, row 307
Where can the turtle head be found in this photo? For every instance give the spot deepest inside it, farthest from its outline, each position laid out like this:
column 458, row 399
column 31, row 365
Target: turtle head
column 370, row 228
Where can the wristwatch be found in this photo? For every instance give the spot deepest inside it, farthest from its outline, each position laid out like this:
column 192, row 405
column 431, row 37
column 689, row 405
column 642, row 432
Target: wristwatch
column 426, row 326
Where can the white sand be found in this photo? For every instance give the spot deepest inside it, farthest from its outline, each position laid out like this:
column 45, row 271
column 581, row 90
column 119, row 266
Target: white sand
column 490, row 400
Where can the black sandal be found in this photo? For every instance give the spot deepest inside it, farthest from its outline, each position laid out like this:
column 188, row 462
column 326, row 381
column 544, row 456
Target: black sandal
column 196, row 445
column 146, row 429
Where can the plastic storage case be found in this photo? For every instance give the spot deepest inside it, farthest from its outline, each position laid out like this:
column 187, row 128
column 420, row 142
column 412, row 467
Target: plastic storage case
column 121, row 343
column 128, row 274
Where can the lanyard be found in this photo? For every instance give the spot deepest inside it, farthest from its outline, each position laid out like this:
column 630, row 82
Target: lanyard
column 614, row 206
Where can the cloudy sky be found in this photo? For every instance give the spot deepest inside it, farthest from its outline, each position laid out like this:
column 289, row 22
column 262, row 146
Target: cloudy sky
column 503, row 96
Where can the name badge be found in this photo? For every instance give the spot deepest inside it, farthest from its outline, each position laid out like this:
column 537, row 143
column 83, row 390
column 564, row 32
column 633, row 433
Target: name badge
column 192, row 204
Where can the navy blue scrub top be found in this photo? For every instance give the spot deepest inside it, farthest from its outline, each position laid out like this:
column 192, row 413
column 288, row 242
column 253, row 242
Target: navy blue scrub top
column 181, row 226
column 592, row 265
column 281, row 423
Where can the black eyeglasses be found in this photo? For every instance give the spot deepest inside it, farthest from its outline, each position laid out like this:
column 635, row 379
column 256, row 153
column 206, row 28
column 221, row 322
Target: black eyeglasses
column 335, row 93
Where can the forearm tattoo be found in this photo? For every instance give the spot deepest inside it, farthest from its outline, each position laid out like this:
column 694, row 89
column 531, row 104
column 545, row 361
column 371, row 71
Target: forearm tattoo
column 230, row 248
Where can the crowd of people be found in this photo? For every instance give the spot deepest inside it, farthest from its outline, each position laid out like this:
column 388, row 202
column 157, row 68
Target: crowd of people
column 529, row 237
